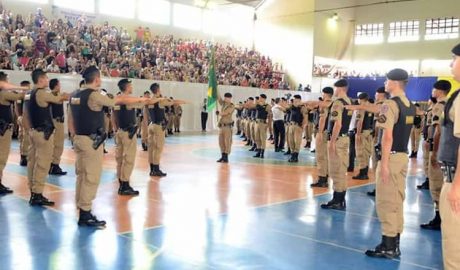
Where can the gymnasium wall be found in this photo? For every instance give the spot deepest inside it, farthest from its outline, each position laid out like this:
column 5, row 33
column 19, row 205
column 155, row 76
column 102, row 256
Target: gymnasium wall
column 193, row 93
column 285, row 32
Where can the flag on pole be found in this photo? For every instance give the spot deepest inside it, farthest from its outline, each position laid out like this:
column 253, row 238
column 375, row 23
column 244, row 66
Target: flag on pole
column 212, row 84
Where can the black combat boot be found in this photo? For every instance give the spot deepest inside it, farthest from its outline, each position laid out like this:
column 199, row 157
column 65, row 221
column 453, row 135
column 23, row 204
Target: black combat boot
column 308, row 145
column 262, row 153
column 4, row 190
column 37, row 199
column 413, row 154
column 157, row 172
column 221, row 158
column 288, row 152
column 23, row 161
column 434, row 224
column 321, row 183
column 144, row 147
column 56, row 170
column 337, row 202
column 238, row 132
column 126, row 190
column 425, row 185
column 386, row 249
column 152, row 169
column 398, row 241
column 363, row 174
column 258, row 151
column 371, row 193
column 88, row 219
column 225, row 158
column 254, row 147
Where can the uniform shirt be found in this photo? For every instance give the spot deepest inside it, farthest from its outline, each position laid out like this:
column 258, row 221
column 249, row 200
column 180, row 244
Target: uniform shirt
column 303, row 111
column 389, row 112
column 337, row 110
column 268, row 109
column 437, row 112
column 353, row 121
column 178, row 110
column 324, row 111
column 227, row 112
column 454, row 114
column 6, row 97
column 45, row 97
column 278, row 113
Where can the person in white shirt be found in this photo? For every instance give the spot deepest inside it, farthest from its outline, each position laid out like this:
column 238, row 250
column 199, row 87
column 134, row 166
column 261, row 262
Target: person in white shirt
column 278, row 124
column 352, row 149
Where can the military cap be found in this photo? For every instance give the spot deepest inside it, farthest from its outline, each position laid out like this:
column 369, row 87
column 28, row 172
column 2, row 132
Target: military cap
column 398, row 75
column 456, row 50
column 328, row 90
column 381, row 90
column 341, row 83
column 228, row 95
column 363, row 96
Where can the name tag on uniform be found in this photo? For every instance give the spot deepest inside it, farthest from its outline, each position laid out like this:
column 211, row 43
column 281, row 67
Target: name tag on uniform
column 409, row 120
column 116, row 108
column 75, row 101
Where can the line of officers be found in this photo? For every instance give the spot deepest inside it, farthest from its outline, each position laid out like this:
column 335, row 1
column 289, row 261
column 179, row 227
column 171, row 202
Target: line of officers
column 42, row 119
column 386, row 126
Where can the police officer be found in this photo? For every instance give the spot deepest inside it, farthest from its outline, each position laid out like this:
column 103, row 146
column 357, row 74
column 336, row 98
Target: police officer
column 427, row 140
column 309, row 128
column 41, row 136
column 416, row 133
column 287, row 125
column 440, row 90
column 321, row 139
column 239, row 118
column 364, row 146
column 204, row 115
column 57, row 111
column 338, row 125
column 253, row 124
column 24, row 126
column 249, row 116
column 170, row 117
column 263, row 113
column 395, row 120
column 449, row 202
column 278, row 124
column 7, row 99
column 145, row 123
column 157, row 129
column 177, row 109
column 225, row 126
column 298, row 120
column 86, row 117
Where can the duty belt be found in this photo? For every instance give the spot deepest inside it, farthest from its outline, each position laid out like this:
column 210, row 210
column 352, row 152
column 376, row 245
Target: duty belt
column 448, row 172
column 261, row 121
column 226, row 125
column 59, row 119
column 398, row 152
column 294, row 123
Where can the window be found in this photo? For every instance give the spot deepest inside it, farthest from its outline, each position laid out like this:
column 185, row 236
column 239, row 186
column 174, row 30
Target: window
column 155, row 11
column 81, row 5
column 446, row 28
column 371, row 33
column 120, row 8
column 404, row 31
column 37, row 1
column 187, row 17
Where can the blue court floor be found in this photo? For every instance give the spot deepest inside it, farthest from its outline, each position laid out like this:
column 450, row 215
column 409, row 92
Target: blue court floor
column 284, row 234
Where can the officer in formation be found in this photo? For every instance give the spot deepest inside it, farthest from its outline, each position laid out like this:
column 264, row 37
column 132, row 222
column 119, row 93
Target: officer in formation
column 449, row 151
column 225, row 125
column 427, row 131
column 124, row 122
column 309, row 128
column 7, row 98
column 41, row 135
column 57, row 111
column 322, row 138
column 145, row 124
column 248, row 121
column 177, row 109
column 287, row 126
column 364, row 139
column 339, row 119
column 169, row 110
column 239, row 119
column 24, row 125
column 440, row 90
column 157, row 129
column 395, row 120
column 416, row 133
column 263, row 112
column 86, row 120
column 298, row 119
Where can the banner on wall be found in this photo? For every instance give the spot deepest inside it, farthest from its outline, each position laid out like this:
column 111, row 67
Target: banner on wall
column 72, row 16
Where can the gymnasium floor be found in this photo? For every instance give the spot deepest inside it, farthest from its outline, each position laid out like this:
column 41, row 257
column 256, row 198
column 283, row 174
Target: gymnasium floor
column 249, row 214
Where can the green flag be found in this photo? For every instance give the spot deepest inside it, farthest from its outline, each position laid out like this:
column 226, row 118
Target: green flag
column 212, row 84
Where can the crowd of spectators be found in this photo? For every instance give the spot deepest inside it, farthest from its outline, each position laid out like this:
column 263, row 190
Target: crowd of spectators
column 60, row 46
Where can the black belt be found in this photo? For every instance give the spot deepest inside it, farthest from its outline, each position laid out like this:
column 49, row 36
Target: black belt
column 398, row 152
column 261, row 121
column 227, row 125
column 343, row 135
column 448, row 172
column 40, row 129
column 59, row 119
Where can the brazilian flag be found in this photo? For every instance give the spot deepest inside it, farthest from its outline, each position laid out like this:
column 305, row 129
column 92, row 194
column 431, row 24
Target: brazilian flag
column 212, row 84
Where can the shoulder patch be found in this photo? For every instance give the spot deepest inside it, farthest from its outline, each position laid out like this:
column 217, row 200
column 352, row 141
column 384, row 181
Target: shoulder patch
column 335, row 114
column 384, row 109
column 382, row 119
column 103, row 93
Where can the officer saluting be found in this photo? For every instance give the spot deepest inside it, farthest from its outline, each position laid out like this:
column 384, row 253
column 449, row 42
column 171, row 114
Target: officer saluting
column 396, row 119
column 6, row 123
column 225, row 126
column 339, row 119
column 87, row 120
column 364, row 138
column 24, row 126
column 449, row 202
column 124, row 121
column 57, row 111
column 41, row 136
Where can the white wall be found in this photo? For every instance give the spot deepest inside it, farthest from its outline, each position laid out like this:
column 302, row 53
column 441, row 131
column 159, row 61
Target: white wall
column 192, row 93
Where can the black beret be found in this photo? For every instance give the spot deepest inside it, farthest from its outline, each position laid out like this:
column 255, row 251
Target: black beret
column 341, row 83
column 263, row 96
column 398, row 74
column 154, row 87
column 363, row 96
column 122, row 83
column 456, row 50
column 328, row 90
column 442, row 85
column 90, row 70
column 251, row 98
column 257, row 98
column 381, row 90
column 228, row 95
column 417, row 105
column 297, row 96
